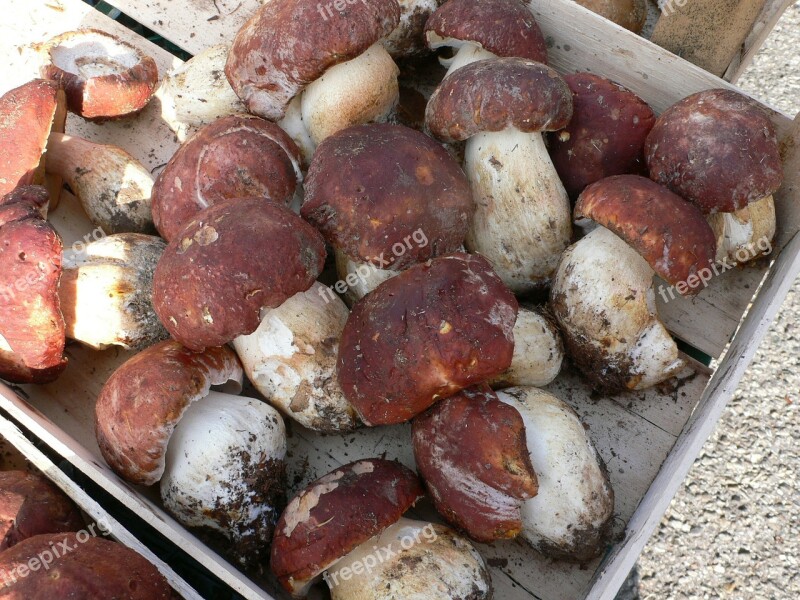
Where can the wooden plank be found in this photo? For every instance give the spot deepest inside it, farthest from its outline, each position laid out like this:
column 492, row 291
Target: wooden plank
column 765, row 22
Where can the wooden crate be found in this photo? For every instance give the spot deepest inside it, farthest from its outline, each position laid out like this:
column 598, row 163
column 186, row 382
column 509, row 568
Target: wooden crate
column 649, row 440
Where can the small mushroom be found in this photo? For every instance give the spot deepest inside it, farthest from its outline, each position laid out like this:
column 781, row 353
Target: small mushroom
column 521, row 221
column 481, row 29
column 347, row 528
column 472, row 453
column 291, row 359
column 630, row 14
column 425, row 334
column 230, row 262
column 106, row 292
column 237, row 156
column 103, row 76
column 408, row 38
column 220, row 458
column 570, row 517
column 602, row 293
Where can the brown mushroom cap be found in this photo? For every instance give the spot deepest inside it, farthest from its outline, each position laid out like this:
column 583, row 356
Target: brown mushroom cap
column 432, row 330
column 497, row 94
column 103, row 76
column 27, row 115
column 89, row 569
column 237, row 156
column 671, row 234
column 605, row 135
column 472, row 453
column 141, row 403
column 503, row 27
column 31, row 505
column 30, row 269
column 288, row 44
column 231, row 261
column 337, row 513
column 717, row 149
column 370, row 187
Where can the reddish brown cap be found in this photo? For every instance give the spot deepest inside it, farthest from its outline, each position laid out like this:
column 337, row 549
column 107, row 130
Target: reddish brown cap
column 231, row 261
column 30, row 269
column 605, row 135
column 288, row 44
column 31, row 505
column 717, row 149
column 497, row 94
column 503, row 27
column 234, row 157
column 142, row 402
column 27, row 115
column 103, row 76
column 82, row 566
column 337, row 513
column 425, row 334
column 671, row 234
column 371, row 187
column 472, row 453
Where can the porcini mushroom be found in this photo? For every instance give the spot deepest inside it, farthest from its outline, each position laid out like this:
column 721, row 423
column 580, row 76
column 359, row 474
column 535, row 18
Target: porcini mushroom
column 103, row 76
column 521, row 221
column 237, row 156
column 220, row 458
column 364, row 538
column 481, row 29
column 602, row 293
column 230, row 262
column 434, row 329
column 345, row 76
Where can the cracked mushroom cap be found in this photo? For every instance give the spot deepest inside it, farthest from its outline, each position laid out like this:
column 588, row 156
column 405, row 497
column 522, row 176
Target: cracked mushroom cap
column 32, row 330
column 472, row 453
column 337, row 513
column 231, row 261
column 288, row 44
column 717, row 149
column 671, row 234
column 503, row 27
column 498, row 94
column 432, row 330
column 104, row 77
column 237, row 156
column 372, row 189
column 142, row 402
column 605, row 135
column 89, row 570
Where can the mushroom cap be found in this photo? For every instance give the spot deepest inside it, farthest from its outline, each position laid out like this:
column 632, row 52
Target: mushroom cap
column 716, row 148
column 337, row 513
column 605, row 135
column 143, row 400
column 498, row 94
column 287, row 44
column 503, row 27
column 92, row 569
column 371, row 187
column 471, row 451
column 31, row 505
column 27, row 115
column 434, row 329
column 32, row 335
column 237, row 156
column 103, row 76
column 671, row 234
column 231, row 261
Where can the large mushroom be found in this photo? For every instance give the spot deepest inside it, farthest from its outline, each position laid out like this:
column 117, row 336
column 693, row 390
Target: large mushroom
column 521, row 221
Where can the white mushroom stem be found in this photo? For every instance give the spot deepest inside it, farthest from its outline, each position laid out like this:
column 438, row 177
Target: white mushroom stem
column 113, row 187
column 411, row 559
column 746, row 234
column 357, row 279
column 522, row 220
column 538, row 351
column 292, row 123
column 466, row 52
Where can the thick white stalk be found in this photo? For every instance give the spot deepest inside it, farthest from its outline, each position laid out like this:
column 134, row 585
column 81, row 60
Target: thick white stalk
column 467, row 53
column 745, row 234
